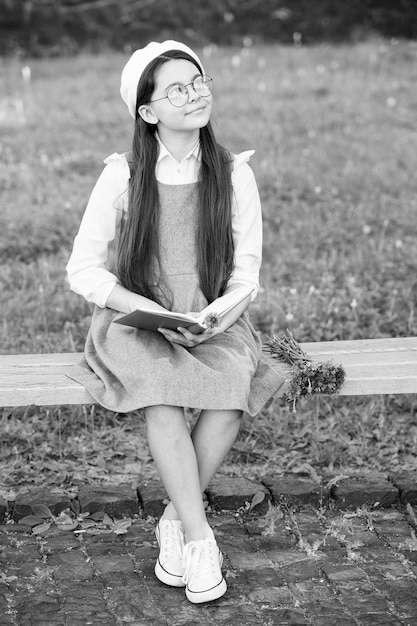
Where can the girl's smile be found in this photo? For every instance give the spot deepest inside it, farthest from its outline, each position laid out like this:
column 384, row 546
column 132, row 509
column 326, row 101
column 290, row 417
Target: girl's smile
column 169, row 118
column 200, row 109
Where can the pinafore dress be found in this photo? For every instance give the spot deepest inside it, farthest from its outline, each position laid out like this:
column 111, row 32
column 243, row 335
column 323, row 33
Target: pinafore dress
column 125, row 369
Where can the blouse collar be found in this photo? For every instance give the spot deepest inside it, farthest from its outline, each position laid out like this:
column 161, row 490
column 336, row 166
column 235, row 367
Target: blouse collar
column 195, row 152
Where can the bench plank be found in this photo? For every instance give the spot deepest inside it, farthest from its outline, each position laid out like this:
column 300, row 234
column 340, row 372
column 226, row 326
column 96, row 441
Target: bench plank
column 373, row 366
column 40, row 380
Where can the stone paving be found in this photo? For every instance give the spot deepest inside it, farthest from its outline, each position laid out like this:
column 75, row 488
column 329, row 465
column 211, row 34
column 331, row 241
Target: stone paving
column 343, row 552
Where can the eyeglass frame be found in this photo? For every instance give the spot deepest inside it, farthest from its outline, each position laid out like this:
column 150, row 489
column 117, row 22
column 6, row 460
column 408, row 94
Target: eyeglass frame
column 200, row 76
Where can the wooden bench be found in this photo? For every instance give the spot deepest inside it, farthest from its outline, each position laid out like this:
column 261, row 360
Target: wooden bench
column 374, row 366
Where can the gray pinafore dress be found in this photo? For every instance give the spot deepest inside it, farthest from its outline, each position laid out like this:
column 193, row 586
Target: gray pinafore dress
column 126, row 369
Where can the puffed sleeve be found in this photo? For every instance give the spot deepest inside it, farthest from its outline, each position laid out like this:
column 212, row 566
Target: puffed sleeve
column 246, row 224
column 89, row 269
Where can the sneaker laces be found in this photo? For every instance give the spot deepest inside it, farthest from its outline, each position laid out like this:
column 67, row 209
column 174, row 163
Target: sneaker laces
column 173, row 543
column 200, row 556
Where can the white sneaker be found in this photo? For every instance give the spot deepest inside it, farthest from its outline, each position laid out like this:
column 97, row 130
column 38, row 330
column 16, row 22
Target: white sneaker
column 169, row 567
column 203, row 576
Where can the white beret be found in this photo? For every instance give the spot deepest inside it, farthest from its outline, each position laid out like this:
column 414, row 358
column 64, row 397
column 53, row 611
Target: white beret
column 134, row 68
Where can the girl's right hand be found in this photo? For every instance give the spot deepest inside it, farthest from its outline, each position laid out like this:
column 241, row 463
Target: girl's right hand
column 184, row 337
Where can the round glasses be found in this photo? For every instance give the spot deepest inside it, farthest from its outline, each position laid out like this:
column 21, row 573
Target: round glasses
column 178, row 94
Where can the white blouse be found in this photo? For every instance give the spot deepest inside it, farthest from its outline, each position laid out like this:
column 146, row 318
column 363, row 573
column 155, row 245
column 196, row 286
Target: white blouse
column 93, row 259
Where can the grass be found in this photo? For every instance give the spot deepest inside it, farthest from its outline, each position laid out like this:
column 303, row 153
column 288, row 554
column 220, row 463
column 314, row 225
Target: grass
column 334, row 131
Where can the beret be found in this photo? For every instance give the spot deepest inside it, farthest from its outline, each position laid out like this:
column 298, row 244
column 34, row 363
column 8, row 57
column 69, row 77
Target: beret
column 137, row 63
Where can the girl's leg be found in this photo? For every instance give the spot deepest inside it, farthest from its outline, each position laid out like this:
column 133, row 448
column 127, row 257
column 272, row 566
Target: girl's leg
column 186, row 465
column 175, row 458
column 213, row 436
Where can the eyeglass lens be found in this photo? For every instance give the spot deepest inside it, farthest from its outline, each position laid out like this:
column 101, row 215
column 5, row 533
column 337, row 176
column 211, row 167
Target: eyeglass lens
column 178, row 94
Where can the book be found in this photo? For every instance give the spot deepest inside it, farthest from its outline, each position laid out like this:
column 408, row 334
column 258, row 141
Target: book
column 211, row 316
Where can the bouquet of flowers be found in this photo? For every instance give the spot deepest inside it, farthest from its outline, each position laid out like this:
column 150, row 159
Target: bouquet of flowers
column 307, row 376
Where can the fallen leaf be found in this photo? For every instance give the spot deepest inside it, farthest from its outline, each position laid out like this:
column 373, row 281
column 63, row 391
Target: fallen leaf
column 68, row 526
column 98, row 516
column 42, row 511
column 31, row 520
column 120, row 527
column 257, row 499
column 42, row 528
column 107, row 520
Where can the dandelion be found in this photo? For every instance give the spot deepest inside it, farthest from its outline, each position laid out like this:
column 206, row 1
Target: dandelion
column 211, row 320
column 26, row 74
column 354, row 304
column 281, row 14
column 289, row 317
column 236, row 60
column 297, row 39
column 317, row 190
column 391, row 102
column 398, row 244
column 262, row 87
column 366, row 229
column 320, row 69
column 209, row 50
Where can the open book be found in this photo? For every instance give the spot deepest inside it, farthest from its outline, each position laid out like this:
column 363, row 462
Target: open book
column 209, row 317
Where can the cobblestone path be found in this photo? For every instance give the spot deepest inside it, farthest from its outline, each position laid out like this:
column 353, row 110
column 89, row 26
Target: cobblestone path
column 294, row 554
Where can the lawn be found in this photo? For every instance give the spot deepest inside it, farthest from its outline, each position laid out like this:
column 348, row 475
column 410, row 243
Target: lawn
column 334, row 128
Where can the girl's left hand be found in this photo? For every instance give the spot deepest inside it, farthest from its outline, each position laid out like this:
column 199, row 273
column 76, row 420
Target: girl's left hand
column 184, row 337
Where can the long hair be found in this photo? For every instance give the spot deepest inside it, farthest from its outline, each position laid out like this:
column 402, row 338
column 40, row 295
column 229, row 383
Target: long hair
column 138, row 251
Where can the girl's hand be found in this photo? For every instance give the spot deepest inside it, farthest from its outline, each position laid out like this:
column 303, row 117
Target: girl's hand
column 184, row 337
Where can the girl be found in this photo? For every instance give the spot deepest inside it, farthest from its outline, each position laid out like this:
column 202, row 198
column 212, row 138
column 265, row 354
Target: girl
column 175, row 224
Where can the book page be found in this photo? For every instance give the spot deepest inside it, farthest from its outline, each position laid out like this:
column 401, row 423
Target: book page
column 226, row 303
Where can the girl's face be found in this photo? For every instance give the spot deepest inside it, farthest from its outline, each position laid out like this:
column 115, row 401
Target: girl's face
column 195, row 113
